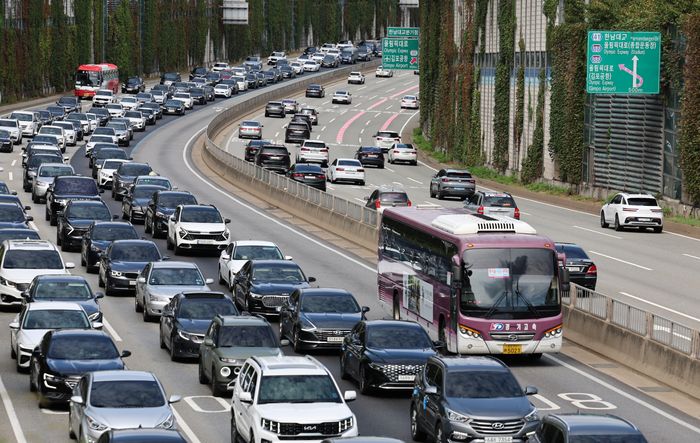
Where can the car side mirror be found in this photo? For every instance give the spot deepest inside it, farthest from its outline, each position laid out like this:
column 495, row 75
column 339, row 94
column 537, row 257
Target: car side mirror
column 115, row 217
column 312, row 279
column 231, row 385
column 141, row 279
column 97, row 325
column 25, row 295
column 288, row 257
column 125, row 354
column 102, row 191
column 70, row 265
column 27, row 208
column 99, row 295
column 172, row 218
column 174, row 399
column 208, row 281
column 227, row 220
column 77, row 399
column 29, row 218
column 284, row 342
column 431, row 390
column 14, row 325
column 225, row 256
column 530, row 390
column 208, row 342
column 14, row 193
column 245, row 397
column 365, row 310
column 349, row 395
column 439, row 344
column 166, row 313
column 165, row 258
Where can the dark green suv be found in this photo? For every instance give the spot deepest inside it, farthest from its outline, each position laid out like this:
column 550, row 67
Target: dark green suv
column 230, row 340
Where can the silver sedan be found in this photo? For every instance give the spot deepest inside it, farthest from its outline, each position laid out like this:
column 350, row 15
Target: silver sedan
column 160, row 281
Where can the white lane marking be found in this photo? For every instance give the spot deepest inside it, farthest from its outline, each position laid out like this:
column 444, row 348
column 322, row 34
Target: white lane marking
column 359, row 140
column 406, row 124
column 681, row 235
column 362, row 131
column 525, row 213
column 11, row 414
column 692, row 256
column 389, row 169
column 225, row 407
column 111, row 330
column 398, row 183
column 622, row 393
column 261, row 213
column 277, row 134
column 389, row 107
column 622, row 261
column 425, row 164
column 318, row 136
column 14, row 162
column 357, row 105
column 33, row 226
column 52, row 412
column 374, row 96
column 429, row 203
column 323, row 129
column 390, row 90
column 414, row 180
column 597, row 232
column 361, row 88
column 326, row 102
column 9, row 175
column 368, row 122
column 332, row 120
column 191, row 436
column 656, row 305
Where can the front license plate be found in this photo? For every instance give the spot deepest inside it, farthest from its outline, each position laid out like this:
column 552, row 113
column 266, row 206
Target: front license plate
column 335, row 339
column 644, row 219
column 205, row 242
column 132, row 283
column 498, row 439
column 512, row 349
column 406, row 377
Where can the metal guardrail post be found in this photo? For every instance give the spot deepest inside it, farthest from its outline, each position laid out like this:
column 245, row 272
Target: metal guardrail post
column 650, row 326
column 609, row 310
column 695, row 351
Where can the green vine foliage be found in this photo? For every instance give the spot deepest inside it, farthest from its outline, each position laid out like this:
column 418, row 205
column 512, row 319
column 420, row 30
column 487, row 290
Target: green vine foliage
column 504, row 67
column 533, row 165
column 690, row 110
column 520, row 98
column 121, row 35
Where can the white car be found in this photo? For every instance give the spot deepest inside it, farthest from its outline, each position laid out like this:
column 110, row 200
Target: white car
column 356, row 77
column 28, row 122
column 346, row 169
column 403, row 152
column 159, row 96
column 36, row 319
column 95, row 139
column 56, row 131
column 317, row 57
column 45, row 175
column 82, row 119
column 275, row 57
column 107, row 170
column 69, row 131
column 381, row 72
column 239, row 252
column 297, row 67
column 409, row 102
column 22, row 260
column 137, row 119
column 222, row 90
column 129, row 103
column 313, row 151
column 185, row 98
column 312, row 66
column 197, row 227
column 386, row 139
column 219, row 66
column 241, row 82
column 115, row 110
column 94, row 120
column 272, row 394
column 12, row 126
column 103, row 97
column 342, row 97
column 632, row 211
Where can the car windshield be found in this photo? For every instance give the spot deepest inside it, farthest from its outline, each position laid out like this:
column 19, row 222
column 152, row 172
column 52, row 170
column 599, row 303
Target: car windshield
column 257, row 253
column 101, row 139
column 277, row 274
column 133, row 114
column 316, row 145
column 67, row 101
column 116, row 153
column 21, row 116
column 55, row 171
column 247, row 337
column 482, row 384
column 205, row 309
column 202, row 214
column 277, row 151
column 56, row 319
column 387, row 134
column 173, row 200
column 596, row 438
column 36, row 160
column 117, row 125
column 11, row 213
column 114, row 232
column 397, row 337
column 176, row 276
column 126, row 394
column 54, row 131
column 157, row 181
column 641, row 201
column 87, row 78
column 135, row 252
column 131, row 169
column 171, row 76
column 88, row 212
column 298, row 389
column 331, row 303
column 399, row 197
column 105, row 92
column 87, row 347
column 111, row 164
column 499, row 201
column 142, row 191
column 49, row 290
column 173, row 103
column 250, row 123
column 75, row 186
column 6, row 134
column 349, row 163
column 514, row 282
column 3, row 188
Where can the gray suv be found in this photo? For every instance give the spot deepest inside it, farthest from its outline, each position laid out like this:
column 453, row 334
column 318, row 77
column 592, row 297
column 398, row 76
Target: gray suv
column 452, row 183
column 471, row 399
column 493, row 204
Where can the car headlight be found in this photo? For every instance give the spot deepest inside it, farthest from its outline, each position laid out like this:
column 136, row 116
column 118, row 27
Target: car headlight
column 376, row 367
column 94, row 248
column 167, row 423
column 160, row 214
column 159, row 297
column 6, row 282
column 115, row 273
column 49, row 378
column 31, row 173
column 182, row 233
column 226, row 234
column 456, row 416
column 69, row 228
column 532, row 416
column 306, row 325
column 270, row 426
column 95, row 425
column 254, row 295
column 95, row 316
column 231, row 361
column 190, row 337
column 346, row 424
column 61, row 201
column 554, row 332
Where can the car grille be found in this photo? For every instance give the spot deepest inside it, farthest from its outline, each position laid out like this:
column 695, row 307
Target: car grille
column 324, row 334
column 202, row 236
column 131, row 275
column 497, row 427
column 328, row 428
column 512, row 336
column 392, row 372
column 273, row 301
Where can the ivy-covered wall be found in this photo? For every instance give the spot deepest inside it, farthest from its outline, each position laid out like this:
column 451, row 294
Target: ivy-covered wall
column 40, row 47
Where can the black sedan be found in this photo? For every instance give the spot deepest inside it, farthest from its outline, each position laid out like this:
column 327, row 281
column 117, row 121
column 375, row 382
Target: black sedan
column 66, row 188
column 174, row 107
column 65, row 288
column 133, row 85
column 136, row 200
column 97, row 156
column 275, row 108
column 154, row 107
column 311, row 175
column 98, row 238
column 161, row 206
column 370, row 155
column 385, row 354
column 75, row 220
column 123, row 261
column 262, row 286
column 582, row 270
column 319, row 318
column 6, row 144
column 187, row 317
column 63, row 356
column 125, row 176
column 315, row 90
column 13, row 216
column 252, row 80
column 270, row 76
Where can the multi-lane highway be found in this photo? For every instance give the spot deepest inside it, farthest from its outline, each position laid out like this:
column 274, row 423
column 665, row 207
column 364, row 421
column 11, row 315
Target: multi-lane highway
column 564, row 384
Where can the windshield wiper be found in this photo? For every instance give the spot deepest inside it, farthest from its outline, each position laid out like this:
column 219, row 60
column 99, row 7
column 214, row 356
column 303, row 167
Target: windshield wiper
column 494, row 308
column 529, row 305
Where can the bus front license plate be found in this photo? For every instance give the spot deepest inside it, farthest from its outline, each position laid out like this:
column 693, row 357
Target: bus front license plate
column 512, row 349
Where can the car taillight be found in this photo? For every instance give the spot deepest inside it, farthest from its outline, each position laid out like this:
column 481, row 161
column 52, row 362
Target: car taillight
column 414, row 152
column 592, row 270
column 340, row 169
column 517, row 213
column 297, row 175
column 324, row 149
column 445, row 180
column 360, row 170
column 471, row 180
column 480, row 210
column 408, row 203
column 396, row 151
column 304, row 149
column 629, row 209
column 377, row 204
column 657, row 210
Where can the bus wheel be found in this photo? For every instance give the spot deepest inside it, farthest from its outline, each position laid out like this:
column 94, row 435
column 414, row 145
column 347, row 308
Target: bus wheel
column 397, row 309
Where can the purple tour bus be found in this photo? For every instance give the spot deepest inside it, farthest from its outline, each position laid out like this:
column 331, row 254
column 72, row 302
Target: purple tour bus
column 480, row 284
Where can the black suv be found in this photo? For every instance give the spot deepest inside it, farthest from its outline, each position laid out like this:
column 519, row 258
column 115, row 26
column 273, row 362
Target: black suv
column 199, row 71
column 198, row 96
column 69, row 104
column 275, row 108
column 297, row 132
column 75, row 220
column 170, row 78
column 370, row 155
column 66, row 188
column 161, row 206
column 273, row 157
column 125, row 176
column 123, row 261
column 133, row 85
column 470, row 398
column 252, row 147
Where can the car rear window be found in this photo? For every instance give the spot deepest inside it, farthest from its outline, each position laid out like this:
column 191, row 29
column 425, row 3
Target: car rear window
column 393, row 197
column 387, row 134
column 642, row 201
column 349, row 163
column 317, row 145
column 499, row 201
column 275, row 151
column 250, row 123
column 297, row 126
column 572, row 251
column 455, row 174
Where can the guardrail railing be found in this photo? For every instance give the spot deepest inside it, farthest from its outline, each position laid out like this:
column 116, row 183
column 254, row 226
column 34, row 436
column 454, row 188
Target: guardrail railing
column 652, row 326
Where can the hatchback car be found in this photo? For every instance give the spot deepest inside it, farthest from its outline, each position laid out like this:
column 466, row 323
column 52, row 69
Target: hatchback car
column 453, row 183
column 346, row 169
column 383, row 72
column 403, row 152
column 273, row 157
column 98, row 238
column 582, row 270
column 250, row 129
column 386, row 139
column 356, row 77
column 493, row 204
column 123, row 261
column 409, row 102
column 632, row 211
column 75, row 220
column 310, row 175
column 387, row 196
column 297, row 132
column 33, row 163
column 174, row 107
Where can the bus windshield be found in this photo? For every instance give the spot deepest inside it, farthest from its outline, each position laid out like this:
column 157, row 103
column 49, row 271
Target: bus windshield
column 509, row 283
column 87, row 78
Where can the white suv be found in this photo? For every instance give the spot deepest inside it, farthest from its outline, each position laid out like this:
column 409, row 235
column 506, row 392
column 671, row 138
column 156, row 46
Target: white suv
column 632, row 211
column 313, row 151
column 103, row 97
column 197, row 227
column 28, row 122
column 22, row 260
column 283, row 398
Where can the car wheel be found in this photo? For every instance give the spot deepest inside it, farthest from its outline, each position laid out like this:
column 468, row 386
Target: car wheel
column 108, row 288
column 176, row 249
column 35, row 199
column 100, row 281
column 147, row 318
column 59, row 242
column 618, row 227
column 343, row 370
column 216, row 390
column 202, row 376
column 417, row 434
column 603, row 223
column 440, row 195
column 53, row 220
column 658, row 229
column 221, row 278
column 234, row 429
column 46, row 212
column 168, row 243
column 147, row 227
column 71, row 434
column 363, row 384
column 82, row 259
column 32, row 377
column 296, row 342
column 173, row 355
column 432, row 194
column 160, row 336
column 439, row 434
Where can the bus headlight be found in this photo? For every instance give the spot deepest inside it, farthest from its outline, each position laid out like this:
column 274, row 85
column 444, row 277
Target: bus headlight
column 469, row 332
column 554, row 332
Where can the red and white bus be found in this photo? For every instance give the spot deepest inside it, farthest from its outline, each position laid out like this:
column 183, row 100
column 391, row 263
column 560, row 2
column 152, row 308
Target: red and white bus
column 480, row 284
column 90, row 78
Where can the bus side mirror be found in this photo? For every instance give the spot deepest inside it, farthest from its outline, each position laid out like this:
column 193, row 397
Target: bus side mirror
column 456, row 269
column 564, row 279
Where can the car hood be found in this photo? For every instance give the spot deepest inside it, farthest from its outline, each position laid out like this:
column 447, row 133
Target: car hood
column 276, row 288
column 166, row 211
column 13, row 224
column 400, row 356
column 128, row 266
column 140, row 201
column 491, row 408
column 194, row 326
column 127, row 178
column 79, row 367
column 242, row 353
column 47, row 180
column 304, row 412
column 203, row 227
column 102, row 244
column 333, row 321
column 27, row 275
column 236, row 265
column 171, row 290
column 129, row 418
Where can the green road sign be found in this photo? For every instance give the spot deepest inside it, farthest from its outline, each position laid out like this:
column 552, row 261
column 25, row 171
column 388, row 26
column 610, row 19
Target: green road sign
column 402, row 32
column 400, row 53
column 621, row 62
